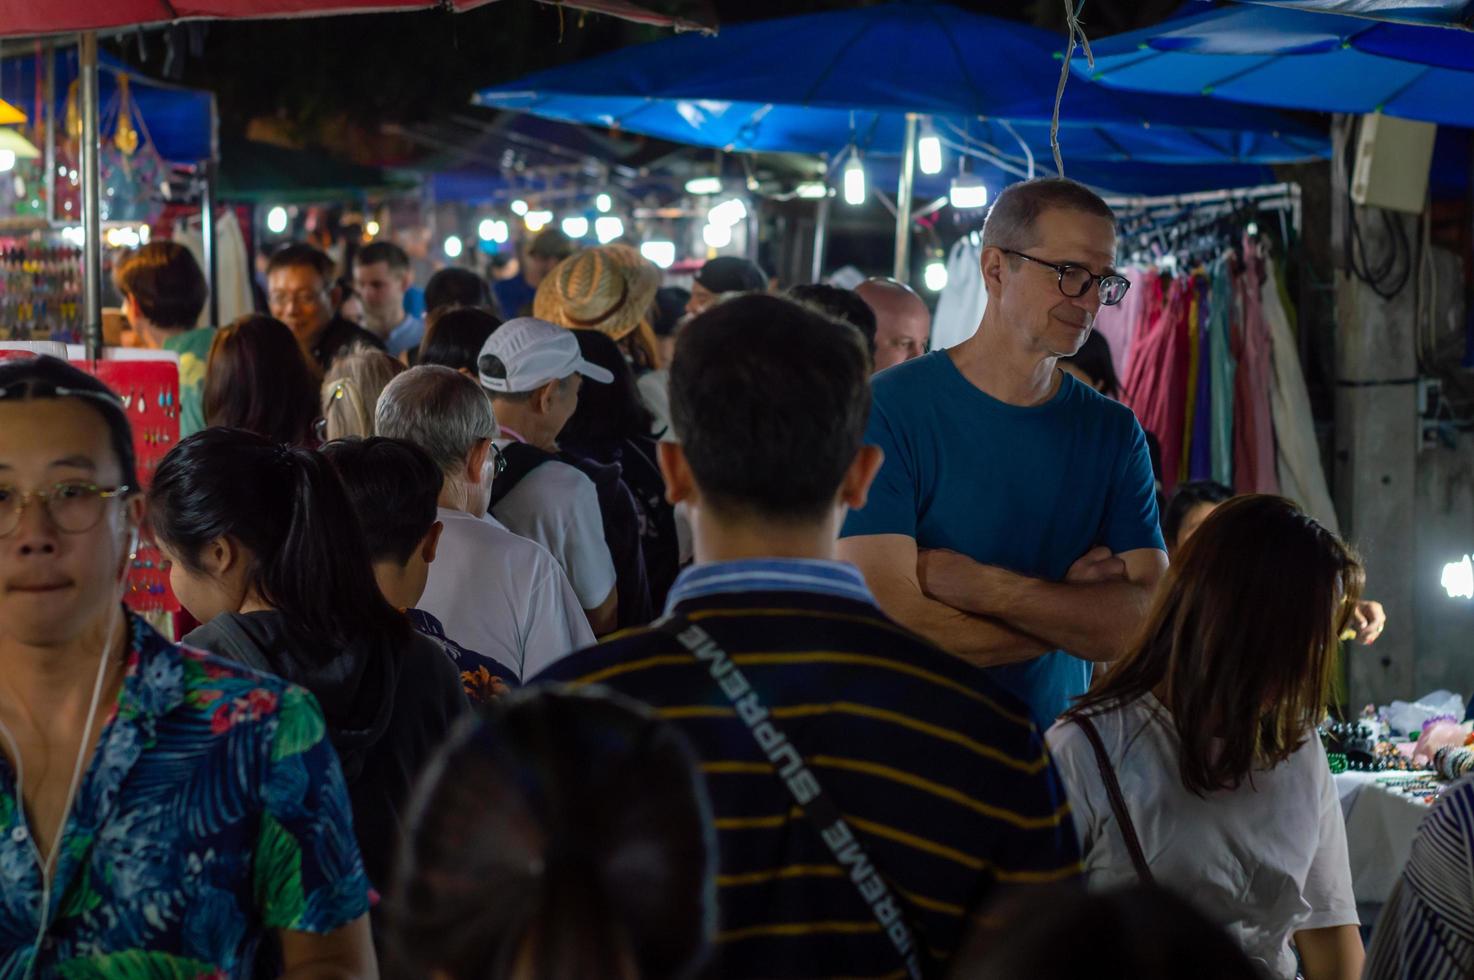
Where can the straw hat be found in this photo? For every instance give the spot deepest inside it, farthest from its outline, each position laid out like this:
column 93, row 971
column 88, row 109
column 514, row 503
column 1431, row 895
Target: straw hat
column 609, row 289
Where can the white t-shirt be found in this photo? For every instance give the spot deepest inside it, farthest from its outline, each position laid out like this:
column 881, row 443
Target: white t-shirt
column 1264, row 862
column 557, row 506
column 503, row 596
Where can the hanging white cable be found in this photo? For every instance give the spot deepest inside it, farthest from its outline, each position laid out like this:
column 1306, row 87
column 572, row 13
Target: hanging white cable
column 1077, row 36
column 1028, row 153
column 1002, row 163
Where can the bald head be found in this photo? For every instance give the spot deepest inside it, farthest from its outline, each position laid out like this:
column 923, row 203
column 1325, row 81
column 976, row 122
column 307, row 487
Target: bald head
column 902, row 321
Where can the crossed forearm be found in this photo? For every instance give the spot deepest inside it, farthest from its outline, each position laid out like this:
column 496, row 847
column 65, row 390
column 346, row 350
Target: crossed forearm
column 1094, row 620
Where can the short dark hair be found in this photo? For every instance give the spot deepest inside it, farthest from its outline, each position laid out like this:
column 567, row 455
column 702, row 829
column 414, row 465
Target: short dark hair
column 1011, row 219
column 386, row 252
column 612, row 411
column 394, row 486
column 460, row 287
column 257, row 378
column 576, row 824
column 1185, row 499
column 457, row 337
column 1094, row 358
column 839, row 304
column 769, row 400
column 551, row 243
column 166, row 282
column 27, row 378
column 299, row 255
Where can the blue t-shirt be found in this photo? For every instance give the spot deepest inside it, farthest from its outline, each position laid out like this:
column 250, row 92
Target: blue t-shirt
column 1026, row 489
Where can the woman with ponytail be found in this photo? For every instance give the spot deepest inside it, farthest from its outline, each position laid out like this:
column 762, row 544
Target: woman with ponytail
column 265, row 550
column 565, row 835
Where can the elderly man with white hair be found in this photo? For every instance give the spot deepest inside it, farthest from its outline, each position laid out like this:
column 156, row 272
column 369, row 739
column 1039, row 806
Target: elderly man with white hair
column 495, row 592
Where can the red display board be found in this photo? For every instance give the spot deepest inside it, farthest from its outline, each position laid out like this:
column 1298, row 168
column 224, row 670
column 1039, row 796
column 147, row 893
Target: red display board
column 148, row 384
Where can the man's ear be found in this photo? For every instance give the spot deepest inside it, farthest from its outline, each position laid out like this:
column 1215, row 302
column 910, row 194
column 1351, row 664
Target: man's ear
column 542, row 399
column 855, row 488
column 679, row 483
column 476, row 461
column 993, row 261
column 431, row 542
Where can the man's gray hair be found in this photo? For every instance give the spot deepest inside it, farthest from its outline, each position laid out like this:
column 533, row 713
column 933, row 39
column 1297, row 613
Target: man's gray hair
column 438, row 409
column 1011, row 221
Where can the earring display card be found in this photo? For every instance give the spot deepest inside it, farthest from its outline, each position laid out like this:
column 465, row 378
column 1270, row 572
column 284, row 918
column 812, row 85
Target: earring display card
column 147, row 384
column 149, row 390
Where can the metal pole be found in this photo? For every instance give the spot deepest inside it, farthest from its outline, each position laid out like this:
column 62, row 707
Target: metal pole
column 91, row 212
column 207, row 237
column 49, row 113
column 902, row 270
column 821, row 237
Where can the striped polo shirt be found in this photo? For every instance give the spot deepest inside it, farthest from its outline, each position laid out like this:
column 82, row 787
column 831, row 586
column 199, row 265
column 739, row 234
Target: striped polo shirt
column 941, row 773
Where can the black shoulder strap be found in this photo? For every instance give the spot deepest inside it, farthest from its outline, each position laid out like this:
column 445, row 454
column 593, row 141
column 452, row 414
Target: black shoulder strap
column 521, row 459
column 803, row 786
column 1118, row 802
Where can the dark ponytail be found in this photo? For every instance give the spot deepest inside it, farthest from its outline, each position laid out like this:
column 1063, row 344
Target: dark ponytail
column 289, row 509
column 566, row 833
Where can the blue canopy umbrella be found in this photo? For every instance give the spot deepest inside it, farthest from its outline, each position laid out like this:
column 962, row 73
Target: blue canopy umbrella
column 826, row 82
column 819, row 83
column 1295, row 59
column 1436, row 13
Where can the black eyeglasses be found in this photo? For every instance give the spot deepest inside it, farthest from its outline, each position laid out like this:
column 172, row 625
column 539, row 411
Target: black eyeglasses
column 73, row 506
column 1075, row 280
column 498, row 462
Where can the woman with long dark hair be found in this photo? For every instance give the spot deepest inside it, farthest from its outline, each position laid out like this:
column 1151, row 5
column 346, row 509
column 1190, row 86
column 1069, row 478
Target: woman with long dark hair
column 563, row 836
column 258, row 379
column 267, row 553
column 1195, row 763
column 612, row 426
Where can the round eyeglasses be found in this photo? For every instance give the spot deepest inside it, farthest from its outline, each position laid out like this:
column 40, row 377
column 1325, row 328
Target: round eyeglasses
column 1075, row 280
column 74, row 506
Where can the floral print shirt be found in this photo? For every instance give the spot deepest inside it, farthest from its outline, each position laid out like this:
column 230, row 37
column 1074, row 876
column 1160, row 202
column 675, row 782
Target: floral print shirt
column 213, row 813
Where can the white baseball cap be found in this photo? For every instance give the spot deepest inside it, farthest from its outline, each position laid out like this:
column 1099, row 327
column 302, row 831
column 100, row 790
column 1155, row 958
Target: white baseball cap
column 531, row 353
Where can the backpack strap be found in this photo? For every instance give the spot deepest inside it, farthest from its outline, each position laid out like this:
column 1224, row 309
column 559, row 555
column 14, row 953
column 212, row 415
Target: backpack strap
column 521, row 459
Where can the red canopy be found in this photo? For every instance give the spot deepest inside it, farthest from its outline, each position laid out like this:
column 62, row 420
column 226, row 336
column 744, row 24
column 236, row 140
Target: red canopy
column 22, row 18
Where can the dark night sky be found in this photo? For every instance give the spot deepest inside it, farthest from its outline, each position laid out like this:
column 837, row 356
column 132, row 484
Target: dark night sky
column 365, row 70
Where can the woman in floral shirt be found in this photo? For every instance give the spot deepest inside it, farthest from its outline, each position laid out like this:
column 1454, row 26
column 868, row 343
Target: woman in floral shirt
column 162, row 813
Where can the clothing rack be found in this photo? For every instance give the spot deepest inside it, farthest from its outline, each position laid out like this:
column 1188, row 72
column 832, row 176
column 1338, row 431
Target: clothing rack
column 1284, row 197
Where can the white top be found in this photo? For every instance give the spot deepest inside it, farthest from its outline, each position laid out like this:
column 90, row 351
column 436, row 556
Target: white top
column 557, row 506
column 502, row 596
column 1264, row 862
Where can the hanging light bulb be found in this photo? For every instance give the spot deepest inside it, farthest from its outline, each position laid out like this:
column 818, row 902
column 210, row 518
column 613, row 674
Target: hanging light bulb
column 7, row 160
column 607, row 229
column 704, row 185
column 500, row 232
column 519, row 207
column 372, row 228
column 576, row 226
column 485, row 229
column 728, row 213
column 935, row 275
column 276, row 220
column 1458, row 579
column 537, row 220
column 603, row 203
column 929, row 150
column 854, row 180
column 717, row 236
column 662, row 253
column 811, row 190
column 968, row 192
column 453, row 247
